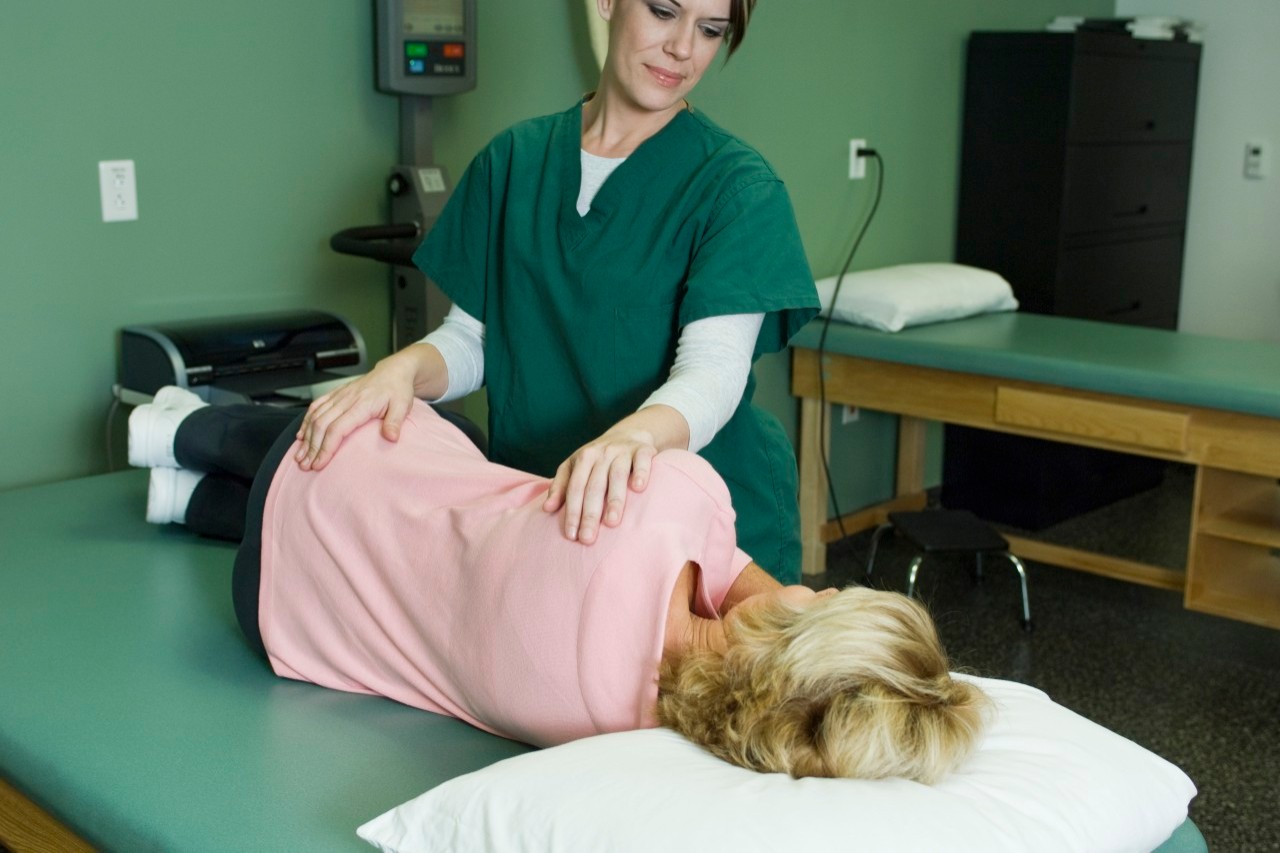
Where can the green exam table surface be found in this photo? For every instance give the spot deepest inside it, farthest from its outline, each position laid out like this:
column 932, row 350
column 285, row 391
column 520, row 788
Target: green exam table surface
column 1154, row 364
column 135, row 713
column 132, row 711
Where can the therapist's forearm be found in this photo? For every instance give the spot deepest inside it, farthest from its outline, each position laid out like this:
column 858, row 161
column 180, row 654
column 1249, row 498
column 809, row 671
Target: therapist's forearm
column 660, row 426
column 460, row 340
column 425, row 367
column 710, row 373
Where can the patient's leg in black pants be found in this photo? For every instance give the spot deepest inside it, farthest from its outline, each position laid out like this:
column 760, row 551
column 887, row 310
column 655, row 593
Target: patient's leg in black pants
column 231, row 439
column 235, row 439
column 218, row 506
column 230, row 442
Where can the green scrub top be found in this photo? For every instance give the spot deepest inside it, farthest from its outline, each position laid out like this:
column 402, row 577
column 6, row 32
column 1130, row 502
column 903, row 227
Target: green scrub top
column 582, row 313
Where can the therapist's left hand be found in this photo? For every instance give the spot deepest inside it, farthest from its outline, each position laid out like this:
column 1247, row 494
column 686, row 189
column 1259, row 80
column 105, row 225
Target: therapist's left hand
column 592, row 484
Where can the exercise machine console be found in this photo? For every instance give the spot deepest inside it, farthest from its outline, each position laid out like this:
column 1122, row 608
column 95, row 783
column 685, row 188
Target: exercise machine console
column 425, row 48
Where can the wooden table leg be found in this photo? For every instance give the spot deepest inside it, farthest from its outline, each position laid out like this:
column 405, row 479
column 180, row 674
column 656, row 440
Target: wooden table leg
column 911, row 454
column 815, row 444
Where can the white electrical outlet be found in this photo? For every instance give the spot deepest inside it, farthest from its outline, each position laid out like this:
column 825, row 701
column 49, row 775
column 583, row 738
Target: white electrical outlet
column 857, row 163
column 1257, row 159
column 119, row 190
column 848, row 415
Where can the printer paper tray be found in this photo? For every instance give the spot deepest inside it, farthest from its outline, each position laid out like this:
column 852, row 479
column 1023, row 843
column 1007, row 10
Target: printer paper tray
column 267, row 384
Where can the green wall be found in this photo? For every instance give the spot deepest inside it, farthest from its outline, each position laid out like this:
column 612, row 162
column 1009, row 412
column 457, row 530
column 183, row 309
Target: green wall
column 257, row 133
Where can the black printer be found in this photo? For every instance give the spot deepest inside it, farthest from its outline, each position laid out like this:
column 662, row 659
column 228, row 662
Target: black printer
column 261, row 358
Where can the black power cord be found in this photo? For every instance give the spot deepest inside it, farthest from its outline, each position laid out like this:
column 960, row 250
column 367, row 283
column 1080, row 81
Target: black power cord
column 872, row 154
column 110, row 436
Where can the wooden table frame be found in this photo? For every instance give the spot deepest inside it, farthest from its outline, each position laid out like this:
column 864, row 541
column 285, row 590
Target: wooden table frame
column 1233, row 563
column 27, row 828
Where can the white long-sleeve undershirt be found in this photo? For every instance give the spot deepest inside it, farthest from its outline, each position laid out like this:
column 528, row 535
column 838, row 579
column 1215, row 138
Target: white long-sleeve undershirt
column 705, row 385
column 460, row 340
column 713, row 362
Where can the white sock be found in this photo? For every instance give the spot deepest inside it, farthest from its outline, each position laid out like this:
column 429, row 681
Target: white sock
column 169, row 494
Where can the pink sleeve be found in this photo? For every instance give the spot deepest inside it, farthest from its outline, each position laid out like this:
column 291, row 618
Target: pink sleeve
column 722, row 559
column 714, row 582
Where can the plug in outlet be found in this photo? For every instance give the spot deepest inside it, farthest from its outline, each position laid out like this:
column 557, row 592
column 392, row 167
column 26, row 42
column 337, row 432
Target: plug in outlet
column 1257, row 159
column 119, row 190
column 857, row 163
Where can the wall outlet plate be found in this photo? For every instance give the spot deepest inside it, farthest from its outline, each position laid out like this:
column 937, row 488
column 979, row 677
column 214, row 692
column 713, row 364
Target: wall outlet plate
column 119, row 188
column 857, row 163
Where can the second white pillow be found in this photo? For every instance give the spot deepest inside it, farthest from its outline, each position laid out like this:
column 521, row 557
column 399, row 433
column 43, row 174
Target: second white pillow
column 892, row 298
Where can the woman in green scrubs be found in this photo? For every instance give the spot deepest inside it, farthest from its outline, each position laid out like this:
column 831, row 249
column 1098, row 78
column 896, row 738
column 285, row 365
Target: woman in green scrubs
column 583, row 313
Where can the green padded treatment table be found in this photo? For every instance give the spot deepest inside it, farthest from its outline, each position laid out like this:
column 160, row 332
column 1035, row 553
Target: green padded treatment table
column 1157, row 364
column 1209, row 402
column 131, row 710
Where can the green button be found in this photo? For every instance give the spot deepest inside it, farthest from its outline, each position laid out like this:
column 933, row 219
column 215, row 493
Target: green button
column 415, row 49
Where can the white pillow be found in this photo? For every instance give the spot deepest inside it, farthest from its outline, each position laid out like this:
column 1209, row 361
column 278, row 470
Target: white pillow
column 893, row 298
column 1043, row 779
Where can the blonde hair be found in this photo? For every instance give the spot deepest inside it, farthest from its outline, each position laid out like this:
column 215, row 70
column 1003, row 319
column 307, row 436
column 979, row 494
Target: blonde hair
column 855, row 685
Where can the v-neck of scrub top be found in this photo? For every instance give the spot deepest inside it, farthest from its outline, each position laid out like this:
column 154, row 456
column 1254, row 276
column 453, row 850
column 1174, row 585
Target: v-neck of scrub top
column 595, row 171
column 630, row 176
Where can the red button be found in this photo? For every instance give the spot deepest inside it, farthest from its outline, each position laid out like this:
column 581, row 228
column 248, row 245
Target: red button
column 453, row 51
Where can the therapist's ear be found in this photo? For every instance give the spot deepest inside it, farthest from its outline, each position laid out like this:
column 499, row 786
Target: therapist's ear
column 605, row 8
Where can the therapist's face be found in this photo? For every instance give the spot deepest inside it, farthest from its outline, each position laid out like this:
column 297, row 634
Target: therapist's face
column 659, row 49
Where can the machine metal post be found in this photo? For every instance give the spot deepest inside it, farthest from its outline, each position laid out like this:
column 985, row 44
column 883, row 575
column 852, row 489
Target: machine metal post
column 418, row 189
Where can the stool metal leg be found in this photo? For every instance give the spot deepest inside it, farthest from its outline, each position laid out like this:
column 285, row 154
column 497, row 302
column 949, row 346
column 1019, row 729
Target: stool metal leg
column 1026, row 602
column 871, row 558
column 911, row 576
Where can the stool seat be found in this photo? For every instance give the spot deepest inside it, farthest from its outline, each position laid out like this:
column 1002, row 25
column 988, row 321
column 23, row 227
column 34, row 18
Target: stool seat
column 950, row 531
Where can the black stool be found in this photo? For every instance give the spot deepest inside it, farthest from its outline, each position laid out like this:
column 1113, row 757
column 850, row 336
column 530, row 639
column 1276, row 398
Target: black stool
column 950, row 531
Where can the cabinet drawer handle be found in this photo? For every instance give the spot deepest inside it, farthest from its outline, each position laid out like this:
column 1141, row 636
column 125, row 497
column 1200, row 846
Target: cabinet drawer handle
column 1140, row 210
column 1149, row 124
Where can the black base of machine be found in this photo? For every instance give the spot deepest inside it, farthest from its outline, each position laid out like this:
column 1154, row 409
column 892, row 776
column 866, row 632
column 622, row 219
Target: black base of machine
column 1030, row 483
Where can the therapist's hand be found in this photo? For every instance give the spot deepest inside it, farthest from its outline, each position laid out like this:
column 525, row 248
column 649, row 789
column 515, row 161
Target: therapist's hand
column 592, row 484
column 385, row 393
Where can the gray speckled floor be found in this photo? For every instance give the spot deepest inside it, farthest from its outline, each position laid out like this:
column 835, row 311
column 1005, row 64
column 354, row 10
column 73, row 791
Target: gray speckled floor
column 1202, row 691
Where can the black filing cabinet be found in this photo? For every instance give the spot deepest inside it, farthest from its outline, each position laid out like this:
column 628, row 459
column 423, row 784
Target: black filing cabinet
column 1074, row 178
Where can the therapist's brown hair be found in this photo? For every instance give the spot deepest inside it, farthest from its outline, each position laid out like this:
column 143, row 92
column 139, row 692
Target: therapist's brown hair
column 739, row 16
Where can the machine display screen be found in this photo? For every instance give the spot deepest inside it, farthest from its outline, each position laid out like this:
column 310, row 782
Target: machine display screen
column 426, row 47
column 434, row 18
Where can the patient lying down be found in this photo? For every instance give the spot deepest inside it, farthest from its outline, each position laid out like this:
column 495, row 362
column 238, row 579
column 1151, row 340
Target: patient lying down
column 422, row 572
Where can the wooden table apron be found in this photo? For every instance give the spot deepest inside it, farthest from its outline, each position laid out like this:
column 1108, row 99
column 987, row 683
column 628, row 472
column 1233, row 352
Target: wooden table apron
column 1232, row 566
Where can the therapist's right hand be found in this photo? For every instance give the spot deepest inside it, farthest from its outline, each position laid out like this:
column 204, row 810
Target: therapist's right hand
column 385, row 393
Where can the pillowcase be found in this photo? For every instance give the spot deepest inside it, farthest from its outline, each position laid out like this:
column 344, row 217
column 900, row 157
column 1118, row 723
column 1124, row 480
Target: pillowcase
column 893, row 298
column 1043, row 778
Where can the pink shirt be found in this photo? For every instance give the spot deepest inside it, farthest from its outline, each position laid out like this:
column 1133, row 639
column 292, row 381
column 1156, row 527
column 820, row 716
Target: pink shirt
column 420, row 571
